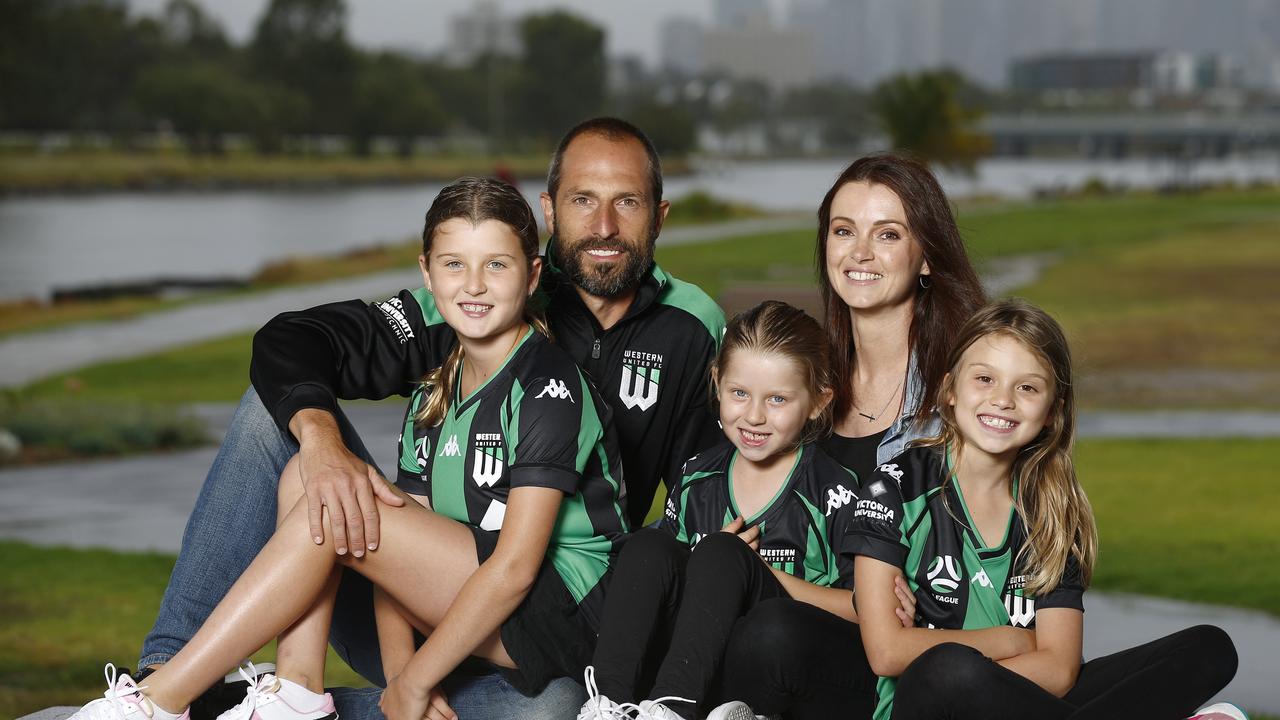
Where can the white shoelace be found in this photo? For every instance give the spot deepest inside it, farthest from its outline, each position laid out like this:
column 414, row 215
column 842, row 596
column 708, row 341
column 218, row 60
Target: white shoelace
column 594, row 708
column 112, row 705
column 642, row 715
column 258, row 686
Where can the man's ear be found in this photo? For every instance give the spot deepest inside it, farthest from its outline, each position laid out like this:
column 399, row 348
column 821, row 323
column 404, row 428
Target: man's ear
column 548, row 212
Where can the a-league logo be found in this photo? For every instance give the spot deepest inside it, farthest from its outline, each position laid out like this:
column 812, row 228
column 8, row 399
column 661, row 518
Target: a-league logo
column 944, row 584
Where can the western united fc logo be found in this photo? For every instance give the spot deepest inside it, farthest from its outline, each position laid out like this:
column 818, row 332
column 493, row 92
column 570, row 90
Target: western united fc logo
column 486, row 459
column 640, row 374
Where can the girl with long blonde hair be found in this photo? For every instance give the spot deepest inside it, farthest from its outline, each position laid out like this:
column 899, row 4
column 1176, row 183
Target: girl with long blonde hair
column 986, row 530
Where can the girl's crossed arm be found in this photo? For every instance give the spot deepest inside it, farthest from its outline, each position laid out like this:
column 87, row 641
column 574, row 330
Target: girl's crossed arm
column 892, row 647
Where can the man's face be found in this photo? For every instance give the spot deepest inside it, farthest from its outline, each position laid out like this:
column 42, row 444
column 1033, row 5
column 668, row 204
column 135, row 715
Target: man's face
column 603, row 214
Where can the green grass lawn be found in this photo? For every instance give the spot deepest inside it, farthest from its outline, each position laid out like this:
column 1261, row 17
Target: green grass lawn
column 67, row 612
column 1193, row 520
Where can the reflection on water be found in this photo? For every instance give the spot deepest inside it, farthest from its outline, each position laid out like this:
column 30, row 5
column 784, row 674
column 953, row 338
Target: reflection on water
column 72, row 241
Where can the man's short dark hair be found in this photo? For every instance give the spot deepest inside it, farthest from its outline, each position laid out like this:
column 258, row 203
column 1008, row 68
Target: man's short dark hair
column 611, row 128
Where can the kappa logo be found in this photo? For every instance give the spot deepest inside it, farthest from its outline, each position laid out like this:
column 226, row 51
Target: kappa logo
column 837, row 498
column 423, row 451
column 486, row 467
column 450, row 448
column 557, row 390
column 891, row 469
column 1022, row 610
column 640, row 375
column 940, row 584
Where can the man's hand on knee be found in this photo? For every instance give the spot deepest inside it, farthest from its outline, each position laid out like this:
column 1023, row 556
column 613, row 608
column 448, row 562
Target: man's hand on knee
column 334, row 478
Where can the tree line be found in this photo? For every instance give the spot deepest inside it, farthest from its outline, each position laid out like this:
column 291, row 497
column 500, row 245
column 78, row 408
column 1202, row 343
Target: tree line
column 88, row 66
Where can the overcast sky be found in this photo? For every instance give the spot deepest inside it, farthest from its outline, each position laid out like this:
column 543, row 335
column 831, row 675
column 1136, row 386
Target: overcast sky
column 420, row 25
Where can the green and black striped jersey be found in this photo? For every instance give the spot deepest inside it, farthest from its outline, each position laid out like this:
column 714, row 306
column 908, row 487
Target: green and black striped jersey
column 534, row 422
column 908, row 515
column 801, row 528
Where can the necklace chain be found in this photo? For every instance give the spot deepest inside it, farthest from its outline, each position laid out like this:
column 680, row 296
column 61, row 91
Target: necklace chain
column 872, row 418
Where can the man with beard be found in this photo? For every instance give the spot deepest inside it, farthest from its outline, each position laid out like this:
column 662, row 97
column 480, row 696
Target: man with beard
column 645, row 339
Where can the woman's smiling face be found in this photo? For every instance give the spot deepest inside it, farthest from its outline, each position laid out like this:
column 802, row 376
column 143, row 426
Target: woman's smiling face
column 873, row 260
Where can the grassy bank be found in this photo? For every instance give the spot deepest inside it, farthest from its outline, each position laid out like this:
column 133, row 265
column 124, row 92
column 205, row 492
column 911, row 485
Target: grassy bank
column 1211, row 537
column 112, row 171
column 69, row 611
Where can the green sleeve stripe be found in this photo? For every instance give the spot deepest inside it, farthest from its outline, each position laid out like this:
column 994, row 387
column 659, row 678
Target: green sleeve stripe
column 818, row 549
column 427, row 302
column 590, row 429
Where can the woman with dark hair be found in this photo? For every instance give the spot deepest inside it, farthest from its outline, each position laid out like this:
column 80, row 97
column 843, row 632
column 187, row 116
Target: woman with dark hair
column 897, row 285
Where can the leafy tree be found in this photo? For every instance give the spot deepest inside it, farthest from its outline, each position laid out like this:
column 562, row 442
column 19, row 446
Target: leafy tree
column 63, row 64
column 670, row 126
column 564, row 72
column 922, row 113
column 202, row 101
column 392, row 98
column 302, row 44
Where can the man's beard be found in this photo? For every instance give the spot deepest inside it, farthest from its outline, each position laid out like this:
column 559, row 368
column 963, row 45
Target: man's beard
column 612, row 279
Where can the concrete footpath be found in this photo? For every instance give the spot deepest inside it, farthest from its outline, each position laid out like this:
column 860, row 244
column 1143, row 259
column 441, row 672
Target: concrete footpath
column 141, row 503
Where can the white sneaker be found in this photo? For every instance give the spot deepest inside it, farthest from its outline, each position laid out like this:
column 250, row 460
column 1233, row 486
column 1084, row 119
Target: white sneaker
column 1219, row 711
column 734, row 710
column 655, row 710
column 123, row 700
column 600, row 707
column 264, row 701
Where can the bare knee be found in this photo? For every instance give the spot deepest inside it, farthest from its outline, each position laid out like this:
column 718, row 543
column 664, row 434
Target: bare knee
column 290, row 488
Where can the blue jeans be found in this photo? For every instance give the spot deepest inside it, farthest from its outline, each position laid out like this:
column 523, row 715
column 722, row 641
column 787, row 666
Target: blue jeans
column 235, row 515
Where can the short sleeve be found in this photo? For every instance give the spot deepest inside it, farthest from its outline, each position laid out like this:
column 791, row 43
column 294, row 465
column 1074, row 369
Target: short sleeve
column 671, row 511
column 557, row 428
column 875, row 530
column 841, row 497
column 1069, row 592
column 413, row 473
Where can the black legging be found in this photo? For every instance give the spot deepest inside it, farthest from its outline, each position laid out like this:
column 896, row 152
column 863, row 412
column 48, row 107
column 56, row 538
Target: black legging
column 1166, row 679
column 666, row 603
column 792, row 659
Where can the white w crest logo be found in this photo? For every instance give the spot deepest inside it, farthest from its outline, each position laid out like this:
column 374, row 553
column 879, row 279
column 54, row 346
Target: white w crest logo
column 486, row 469
column 556, row 389
column 1022, row 610
column 638, row 391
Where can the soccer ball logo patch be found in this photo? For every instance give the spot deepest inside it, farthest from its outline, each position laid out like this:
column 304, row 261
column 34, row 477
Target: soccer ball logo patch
column 944, row 584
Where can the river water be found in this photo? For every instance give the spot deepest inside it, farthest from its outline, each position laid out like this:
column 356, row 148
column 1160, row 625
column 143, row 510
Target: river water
column 70, row 241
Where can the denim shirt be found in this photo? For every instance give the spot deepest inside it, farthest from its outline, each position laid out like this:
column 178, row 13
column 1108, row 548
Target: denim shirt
column 905, row 429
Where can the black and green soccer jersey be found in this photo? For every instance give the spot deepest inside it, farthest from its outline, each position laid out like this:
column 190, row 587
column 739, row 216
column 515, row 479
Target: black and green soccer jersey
column 908, row 515
column 652, row 366
column 535, row 422
column 801, row 528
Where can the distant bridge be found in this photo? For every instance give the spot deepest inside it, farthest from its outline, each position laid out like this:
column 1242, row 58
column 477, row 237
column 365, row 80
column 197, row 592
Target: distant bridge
column 1186, row 135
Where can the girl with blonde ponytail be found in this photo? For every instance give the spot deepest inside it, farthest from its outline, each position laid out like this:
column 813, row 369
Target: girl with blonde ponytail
column 986, row 531
column 519, row 513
